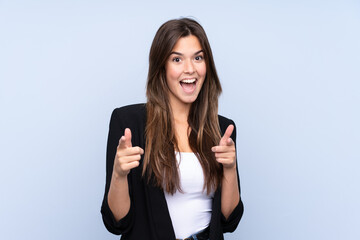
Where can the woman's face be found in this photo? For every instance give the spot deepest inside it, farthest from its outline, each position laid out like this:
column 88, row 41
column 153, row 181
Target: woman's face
column 185, row 71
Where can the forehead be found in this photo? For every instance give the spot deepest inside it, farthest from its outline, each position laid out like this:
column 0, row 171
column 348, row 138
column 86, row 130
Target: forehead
column 187, row 44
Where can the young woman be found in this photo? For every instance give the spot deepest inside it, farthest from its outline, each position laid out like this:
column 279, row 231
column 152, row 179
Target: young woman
column 171, row 168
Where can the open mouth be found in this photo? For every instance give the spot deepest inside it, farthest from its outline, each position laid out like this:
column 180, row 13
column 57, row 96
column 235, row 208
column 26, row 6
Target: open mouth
column 188, row 85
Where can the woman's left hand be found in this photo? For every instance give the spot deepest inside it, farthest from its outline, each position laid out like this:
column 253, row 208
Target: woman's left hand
column 225, row 152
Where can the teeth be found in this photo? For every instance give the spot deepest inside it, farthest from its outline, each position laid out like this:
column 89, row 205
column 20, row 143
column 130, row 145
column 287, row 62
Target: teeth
column 188, row 80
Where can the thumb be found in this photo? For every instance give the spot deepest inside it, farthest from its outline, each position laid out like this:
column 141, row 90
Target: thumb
column 225, row 139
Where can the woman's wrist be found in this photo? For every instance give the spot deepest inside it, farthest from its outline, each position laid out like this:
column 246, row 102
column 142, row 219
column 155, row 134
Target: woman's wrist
column 229, row 171
column 118, row 178
column 230, row 174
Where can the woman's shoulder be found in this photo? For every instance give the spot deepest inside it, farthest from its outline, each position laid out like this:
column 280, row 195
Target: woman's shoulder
column 130, row 114
column 131, row 110
column 224, row 120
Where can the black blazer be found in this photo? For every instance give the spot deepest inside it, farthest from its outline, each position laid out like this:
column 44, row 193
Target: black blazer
column 148, row 217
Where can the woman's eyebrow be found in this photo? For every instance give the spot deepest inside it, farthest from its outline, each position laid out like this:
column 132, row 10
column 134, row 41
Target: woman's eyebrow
column 177, row 53
column 200, row 51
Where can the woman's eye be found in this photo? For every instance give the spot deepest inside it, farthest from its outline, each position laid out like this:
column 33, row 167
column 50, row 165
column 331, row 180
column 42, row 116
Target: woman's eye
column 176, row 59
column 199, row 58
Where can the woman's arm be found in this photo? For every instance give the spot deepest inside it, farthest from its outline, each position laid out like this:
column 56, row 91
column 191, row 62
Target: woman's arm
column 118, row 218
column 225, row 154
column 230, row 195
column 118, row 197
column 126, row 158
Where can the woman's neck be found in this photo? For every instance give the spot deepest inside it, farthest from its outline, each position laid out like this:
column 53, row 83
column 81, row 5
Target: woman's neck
column 180, row 112
column 181, row 127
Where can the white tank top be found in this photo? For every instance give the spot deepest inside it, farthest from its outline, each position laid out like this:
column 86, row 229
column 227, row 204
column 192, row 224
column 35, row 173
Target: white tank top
column 190, row 211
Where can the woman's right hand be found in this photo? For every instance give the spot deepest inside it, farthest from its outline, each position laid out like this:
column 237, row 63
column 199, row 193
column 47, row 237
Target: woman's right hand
column 127, row 157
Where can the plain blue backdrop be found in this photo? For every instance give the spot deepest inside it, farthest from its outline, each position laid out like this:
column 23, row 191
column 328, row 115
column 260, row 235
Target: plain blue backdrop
column 290, row 76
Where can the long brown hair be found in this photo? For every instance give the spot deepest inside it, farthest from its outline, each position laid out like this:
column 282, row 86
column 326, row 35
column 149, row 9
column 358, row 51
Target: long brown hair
column 159, row 161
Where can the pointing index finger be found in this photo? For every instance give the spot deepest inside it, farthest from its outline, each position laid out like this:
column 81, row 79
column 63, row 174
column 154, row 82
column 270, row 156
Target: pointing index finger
column 225, row 139
column 125, row 140
column 127, row 135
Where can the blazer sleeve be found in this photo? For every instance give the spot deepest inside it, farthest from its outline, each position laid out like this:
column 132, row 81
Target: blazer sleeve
column 116, row 130
column 230, row 224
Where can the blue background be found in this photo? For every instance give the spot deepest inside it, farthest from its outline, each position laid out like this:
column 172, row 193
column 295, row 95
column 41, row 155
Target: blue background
column 290, row 74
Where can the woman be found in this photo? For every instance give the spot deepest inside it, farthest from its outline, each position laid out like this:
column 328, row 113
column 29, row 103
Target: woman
column 171, row 163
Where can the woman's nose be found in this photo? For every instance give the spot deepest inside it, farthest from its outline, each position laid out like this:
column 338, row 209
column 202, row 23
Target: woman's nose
column 189, row 67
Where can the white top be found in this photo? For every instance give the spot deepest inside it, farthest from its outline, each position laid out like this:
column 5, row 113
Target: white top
column 190, row 211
